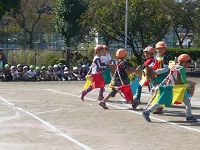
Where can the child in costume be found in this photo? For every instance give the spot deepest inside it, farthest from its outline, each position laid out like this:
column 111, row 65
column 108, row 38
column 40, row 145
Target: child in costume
column 96, row 69
column 119, row 78
column 160, row 68
column 177, row 76
column 106, row 59
column 149, row 56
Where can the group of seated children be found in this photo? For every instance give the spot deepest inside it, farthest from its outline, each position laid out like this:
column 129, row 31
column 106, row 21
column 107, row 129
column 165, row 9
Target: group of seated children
column 57, row 72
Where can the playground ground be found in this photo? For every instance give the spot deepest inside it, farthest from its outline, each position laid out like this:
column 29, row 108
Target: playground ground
column 51, row 116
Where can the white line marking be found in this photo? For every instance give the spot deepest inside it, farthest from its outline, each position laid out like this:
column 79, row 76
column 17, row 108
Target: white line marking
column 54, row 129
column 139, row 113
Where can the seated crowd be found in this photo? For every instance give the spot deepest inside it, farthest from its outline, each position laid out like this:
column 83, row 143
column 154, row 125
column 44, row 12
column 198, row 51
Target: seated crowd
column 57, row 72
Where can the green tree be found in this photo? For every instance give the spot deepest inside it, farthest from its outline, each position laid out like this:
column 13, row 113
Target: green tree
column 185, row 16
column 7, row 5
column 148, row 21
column 67, row 20
column 29, row 17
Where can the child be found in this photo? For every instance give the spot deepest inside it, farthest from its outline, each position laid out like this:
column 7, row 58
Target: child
column 57, row 73
column 37, row 70
column 75, row 74
column 85, row 62
column 25, row 74
column 1, row 67
column 149, row 55
column 96, row 68
column 177, row 76
column 32, row 73
column 121, row 75
column 106, row 59
column 43, row 75
column 7, row 73
column 20, row 71
column 83, row 72
column 160, row 68
column 14, row 73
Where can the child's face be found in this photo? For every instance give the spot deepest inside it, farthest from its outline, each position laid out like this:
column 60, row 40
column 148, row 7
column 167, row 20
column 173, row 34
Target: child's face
column 186, row 64
column 161, row 51
column 100, row 52
column 148, row 54
column 104, row 52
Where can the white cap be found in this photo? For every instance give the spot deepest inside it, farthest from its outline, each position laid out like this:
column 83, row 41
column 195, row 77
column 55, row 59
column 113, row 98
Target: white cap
column 55, row 66
column 66, row 68
column 75, row 68
column 25, row 67
column 12, row 67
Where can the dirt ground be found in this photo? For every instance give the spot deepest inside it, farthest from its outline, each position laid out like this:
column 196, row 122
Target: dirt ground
column 51, row 116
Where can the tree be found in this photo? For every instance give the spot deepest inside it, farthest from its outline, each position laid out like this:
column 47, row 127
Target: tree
column 7, row 5
column 185, row 15
column 148, row 21
column 67, row 20
column 29, row 17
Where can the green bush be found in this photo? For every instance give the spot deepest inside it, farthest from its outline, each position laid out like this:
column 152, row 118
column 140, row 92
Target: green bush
column 175, row 52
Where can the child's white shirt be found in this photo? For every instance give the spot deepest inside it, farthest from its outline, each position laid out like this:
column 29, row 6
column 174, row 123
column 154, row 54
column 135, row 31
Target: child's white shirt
column 106, row 59
column 32, row 74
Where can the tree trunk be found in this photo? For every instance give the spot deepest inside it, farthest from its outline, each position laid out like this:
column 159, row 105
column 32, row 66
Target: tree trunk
column 68, row 52
column 31, row 40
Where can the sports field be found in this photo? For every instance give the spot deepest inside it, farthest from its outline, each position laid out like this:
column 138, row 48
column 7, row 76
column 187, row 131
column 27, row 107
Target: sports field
column 51, row 116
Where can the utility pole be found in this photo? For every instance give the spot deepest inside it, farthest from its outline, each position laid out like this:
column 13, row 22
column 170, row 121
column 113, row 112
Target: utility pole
column 126, row 24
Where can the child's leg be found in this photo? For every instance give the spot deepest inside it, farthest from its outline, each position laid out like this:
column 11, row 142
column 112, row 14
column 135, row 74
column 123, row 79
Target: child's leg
column 189, row 116
column 85, row 92
column 146, row 113
column 111, row 94
column 187, row 103
column 138, row 94
column 101, row 90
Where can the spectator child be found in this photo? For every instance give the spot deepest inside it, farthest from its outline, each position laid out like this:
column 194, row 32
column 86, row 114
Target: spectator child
column 31, row 73
column 7, row 73
column 75, row 74
column 14, row 73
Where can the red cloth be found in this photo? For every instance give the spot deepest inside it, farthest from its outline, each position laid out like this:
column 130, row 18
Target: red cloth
column 148, row 61
column 126, row 90
column 98, row 81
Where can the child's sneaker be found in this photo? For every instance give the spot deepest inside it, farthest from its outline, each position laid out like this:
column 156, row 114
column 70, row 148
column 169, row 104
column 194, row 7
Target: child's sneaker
column 146, row 116
column 102, row 104
column 134, row 105
column 82, row 95
column 158, row 111
column 192, row 118
column 100, row 98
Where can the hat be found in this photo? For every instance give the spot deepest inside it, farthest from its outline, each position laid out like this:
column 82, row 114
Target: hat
column 161, row 44
column 121, row 53
column 83, row 66
column 55, row 66
column 66, row 68
column 19, row 65
column 7, row 66
column 149, row 49
column 98, row 47
column 60, row 64
column 43, row 67
column 25, row 67
column 31, row 67
column 50, row 67
column 37, row 67
column 184, row 57
column 1, row 49
column 12, row 67
column 75, row 68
